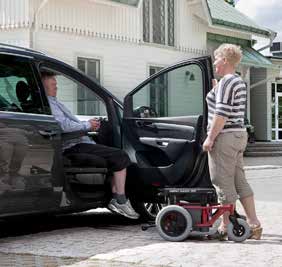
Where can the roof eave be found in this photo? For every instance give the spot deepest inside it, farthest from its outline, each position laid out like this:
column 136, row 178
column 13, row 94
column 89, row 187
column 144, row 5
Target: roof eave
column 241, row 27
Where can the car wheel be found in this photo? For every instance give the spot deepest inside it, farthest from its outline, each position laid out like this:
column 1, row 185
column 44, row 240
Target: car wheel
column 148, row 211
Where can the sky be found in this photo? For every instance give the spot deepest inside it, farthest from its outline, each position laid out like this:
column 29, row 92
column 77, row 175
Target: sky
column 266, row 13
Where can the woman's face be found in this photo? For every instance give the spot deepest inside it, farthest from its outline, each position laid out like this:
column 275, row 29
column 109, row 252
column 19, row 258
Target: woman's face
column 219, row 64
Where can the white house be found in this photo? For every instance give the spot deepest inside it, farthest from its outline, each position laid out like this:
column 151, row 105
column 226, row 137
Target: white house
column 121, row 42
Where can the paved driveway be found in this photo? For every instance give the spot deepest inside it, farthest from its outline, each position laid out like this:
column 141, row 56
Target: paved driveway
column 102, row 239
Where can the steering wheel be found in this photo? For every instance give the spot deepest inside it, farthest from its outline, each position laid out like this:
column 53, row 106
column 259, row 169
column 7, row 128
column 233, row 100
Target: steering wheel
column 145, row 112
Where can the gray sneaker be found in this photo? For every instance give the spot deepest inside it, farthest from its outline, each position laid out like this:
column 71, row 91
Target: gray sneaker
column 123, row 209
column 18, row 183
column 4, row 187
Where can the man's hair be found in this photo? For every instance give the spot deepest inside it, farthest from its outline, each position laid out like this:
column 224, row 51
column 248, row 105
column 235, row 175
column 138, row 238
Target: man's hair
column 47, row 74
column 231, row 52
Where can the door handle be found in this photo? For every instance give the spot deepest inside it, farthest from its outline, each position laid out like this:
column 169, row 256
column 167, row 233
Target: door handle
column 146, row 124
column 162, row 143
column 47, row 133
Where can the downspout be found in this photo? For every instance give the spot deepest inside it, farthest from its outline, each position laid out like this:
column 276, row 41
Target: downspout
column 34, row 25
column 271, row 39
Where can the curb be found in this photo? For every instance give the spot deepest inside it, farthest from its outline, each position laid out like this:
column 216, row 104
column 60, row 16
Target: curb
column 262, row 167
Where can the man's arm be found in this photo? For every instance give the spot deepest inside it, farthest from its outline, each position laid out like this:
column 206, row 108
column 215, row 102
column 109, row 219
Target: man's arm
column 67, row 124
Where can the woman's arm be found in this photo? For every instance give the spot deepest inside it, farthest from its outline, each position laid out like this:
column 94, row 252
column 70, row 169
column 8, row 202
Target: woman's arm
column 217, row 125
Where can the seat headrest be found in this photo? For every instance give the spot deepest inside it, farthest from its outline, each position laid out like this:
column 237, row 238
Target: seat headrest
column 22, row 91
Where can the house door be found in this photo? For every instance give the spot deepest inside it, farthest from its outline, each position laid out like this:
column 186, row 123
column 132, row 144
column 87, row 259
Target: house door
column 278, row 133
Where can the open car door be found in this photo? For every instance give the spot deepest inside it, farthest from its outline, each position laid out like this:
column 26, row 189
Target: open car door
column 164, row 125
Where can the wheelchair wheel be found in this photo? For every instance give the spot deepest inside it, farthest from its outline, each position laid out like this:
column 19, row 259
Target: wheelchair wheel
column 174, row 223
column 240, row 234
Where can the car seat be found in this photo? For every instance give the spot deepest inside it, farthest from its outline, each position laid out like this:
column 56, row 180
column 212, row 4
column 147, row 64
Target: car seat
column 23, row 93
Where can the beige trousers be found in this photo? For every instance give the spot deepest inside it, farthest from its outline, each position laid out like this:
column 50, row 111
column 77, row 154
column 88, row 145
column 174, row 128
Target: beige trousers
column 226, row 167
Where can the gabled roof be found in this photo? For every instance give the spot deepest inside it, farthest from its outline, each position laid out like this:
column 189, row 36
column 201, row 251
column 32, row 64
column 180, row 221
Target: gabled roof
column 223, row 14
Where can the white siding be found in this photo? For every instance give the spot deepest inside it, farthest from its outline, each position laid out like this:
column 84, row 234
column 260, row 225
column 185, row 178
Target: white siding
column 14, row 13
column 124, row 65
column 92, row 19
column 192, row 33
column 19, row 37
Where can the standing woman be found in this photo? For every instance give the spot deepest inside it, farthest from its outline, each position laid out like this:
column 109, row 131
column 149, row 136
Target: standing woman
column 227, row 137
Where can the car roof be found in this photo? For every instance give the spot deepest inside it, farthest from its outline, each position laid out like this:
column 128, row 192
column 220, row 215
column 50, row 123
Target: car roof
column 17, row 50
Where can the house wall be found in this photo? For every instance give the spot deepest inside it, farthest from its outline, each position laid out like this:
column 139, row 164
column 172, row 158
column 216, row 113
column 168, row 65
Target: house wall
column 123, row 67
column 18, row 36
column 14, row 14
column 113, row 34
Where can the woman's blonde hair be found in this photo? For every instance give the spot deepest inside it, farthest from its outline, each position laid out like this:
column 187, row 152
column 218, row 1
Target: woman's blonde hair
column 231, row 52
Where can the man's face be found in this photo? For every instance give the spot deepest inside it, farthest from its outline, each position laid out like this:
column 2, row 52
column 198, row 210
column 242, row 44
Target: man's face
column 50, row 85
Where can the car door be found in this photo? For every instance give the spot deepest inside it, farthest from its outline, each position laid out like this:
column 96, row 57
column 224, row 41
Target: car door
column 29, row 139
column 164, row 125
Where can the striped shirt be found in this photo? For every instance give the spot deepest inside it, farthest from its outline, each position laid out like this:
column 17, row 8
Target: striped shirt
column 228, row 99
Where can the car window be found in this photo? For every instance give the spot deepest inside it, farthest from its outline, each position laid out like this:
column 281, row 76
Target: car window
column 78, row 98
column 18, row 89
column 178, row 92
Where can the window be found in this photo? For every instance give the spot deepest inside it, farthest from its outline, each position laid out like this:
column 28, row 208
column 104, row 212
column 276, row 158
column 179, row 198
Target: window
column 18, row 90
column 68, row 91
column 87, row 102
column 178, row 92
column 158, row 21
column 158, row 93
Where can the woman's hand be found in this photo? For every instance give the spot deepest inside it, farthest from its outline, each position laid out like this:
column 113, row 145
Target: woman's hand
column 208, row 144
column 214, row 83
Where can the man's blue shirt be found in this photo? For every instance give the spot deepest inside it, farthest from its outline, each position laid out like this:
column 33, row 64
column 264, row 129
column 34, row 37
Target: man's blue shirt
column 69, row 122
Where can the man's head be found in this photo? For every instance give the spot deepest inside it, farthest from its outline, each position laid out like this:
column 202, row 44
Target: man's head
column 50, row 83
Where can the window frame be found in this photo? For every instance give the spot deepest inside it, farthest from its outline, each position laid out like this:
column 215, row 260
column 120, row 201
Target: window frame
column 98, row 80
column 150, row 22
column 29, row 61
column 76, row 76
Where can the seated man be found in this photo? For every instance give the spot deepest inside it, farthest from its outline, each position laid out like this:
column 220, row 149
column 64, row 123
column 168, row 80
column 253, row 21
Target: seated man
column 117, row 160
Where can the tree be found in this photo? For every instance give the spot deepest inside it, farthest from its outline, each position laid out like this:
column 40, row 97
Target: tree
column 230, row 2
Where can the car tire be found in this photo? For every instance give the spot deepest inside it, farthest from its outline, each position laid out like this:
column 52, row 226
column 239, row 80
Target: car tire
column 147, row 211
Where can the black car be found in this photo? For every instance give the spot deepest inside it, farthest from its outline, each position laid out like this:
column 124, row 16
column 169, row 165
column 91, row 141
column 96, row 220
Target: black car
column 161, row 125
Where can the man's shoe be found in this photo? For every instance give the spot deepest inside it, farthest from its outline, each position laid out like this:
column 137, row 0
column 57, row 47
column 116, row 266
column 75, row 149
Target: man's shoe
column 4, row 187
column 18, row 183
column 64, row 201
column 123, row 209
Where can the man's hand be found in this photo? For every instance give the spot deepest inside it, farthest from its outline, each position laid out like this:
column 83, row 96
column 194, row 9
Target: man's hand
column 208, row 144
column 95, row 124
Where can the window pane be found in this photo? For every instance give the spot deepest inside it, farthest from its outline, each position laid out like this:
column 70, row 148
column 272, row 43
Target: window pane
column 158, row 7
column 88, row 103
column 170, row 22
column 280, row 112
column 146, row 20
column 279, row 88
column 68, row 94
column 18, row 90
column 81, row 64
column 176, row 93
column 273, row 104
